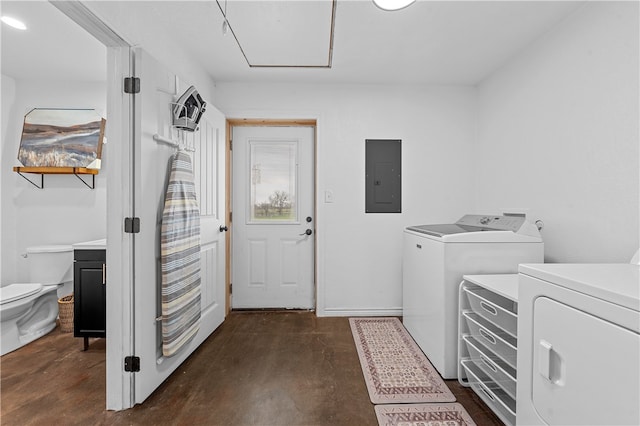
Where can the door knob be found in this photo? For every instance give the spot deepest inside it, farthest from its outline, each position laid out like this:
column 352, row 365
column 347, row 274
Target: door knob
column 223, row 228
column 307, row 232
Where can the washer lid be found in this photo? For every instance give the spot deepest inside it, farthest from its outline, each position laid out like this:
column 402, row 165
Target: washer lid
column 17, row 291
column 445, row 229
column 482, row 228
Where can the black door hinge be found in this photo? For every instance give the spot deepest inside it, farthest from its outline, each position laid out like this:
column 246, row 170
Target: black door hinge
column 230, row 288
column 131, row 225
column 131, row 85
column 132, row 364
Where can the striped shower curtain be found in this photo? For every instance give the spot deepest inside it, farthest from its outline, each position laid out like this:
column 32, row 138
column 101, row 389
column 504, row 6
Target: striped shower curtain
column 180, row 258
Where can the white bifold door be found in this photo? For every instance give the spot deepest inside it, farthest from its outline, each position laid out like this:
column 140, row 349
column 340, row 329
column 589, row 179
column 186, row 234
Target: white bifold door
column 273, row 217
column 159, row 87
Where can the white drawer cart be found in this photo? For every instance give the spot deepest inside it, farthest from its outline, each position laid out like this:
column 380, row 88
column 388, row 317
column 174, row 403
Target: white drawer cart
column 487, row 340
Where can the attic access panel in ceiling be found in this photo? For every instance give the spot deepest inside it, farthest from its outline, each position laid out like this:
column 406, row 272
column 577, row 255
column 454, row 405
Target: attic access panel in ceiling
column 288, row 34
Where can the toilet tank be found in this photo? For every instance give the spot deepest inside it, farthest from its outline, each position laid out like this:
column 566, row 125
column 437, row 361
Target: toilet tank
column 50, row 264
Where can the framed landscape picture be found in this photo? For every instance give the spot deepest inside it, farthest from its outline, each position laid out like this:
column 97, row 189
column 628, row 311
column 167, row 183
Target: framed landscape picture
column 62, row 138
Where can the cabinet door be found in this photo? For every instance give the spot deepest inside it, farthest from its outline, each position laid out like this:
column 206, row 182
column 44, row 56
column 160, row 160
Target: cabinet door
column 584, row 371
column 89, row 299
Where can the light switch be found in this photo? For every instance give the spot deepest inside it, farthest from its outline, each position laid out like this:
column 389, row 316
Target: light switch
column 328, row 196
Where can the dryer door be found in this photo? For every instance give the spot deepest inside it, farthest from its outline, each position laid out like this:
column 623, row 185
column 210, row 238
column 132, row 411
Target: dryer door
column 585, row 369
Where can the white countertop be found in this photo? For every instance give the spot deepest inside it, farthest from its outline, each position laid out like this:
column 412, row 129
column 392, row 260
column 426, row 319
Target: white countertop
column 91, row 245
column 503, row 284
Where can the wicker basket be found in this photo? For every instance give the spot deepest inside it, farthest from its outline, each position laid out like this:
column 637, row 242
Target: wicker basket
column 65, row 310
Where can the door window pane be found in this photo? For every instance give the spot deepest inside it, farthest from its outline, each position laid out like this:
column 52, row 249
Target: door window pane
column 273, row 177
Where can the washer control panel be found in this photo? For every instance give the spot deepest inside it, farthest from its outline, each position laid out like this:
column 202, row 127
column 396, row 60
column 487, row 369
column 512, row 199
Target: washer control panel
column 497, row 223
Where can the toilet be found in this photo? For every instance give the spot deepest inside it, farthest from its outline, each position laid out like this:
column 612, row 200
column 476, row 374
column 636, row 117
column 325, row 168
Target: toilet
column 28, row 311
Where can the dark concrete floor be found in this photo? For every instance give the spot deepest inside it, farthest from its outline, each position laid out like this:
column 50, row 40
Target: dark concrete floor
column 263, row 368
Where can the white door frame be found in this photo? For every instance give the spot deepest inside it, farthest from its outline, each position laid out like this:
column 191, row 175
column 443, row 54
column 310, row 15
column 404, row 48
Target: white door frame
column 119, row 389
column 260, row 122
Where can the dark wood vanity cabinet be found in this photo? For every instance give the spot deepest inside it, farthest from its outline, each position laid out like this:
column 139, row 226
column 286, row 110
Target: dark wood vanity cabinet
column 90, row 294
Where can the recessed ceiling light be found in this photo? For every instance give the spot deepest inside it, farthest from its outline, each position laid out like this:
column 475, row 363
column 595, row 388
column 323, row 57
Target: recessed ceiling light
column 13, row 22
column 392, row 4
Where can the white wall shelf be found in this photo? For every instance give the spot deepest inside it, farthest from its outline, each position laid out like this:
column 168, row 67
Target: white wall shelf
column 77, row 171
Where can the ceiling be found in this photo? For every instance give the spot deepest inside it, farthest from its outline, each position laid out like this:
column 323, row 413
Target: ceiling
column 52, row 48
column 306, row 41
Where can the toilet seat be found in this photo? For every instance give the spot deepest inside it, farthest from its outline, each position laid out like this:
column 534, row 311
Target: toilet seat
column 18, row 291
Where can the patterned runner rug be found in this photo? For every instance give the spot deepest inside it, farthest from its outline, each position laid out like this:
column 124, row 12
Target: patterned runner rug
column 451, row 414
column 395, row 369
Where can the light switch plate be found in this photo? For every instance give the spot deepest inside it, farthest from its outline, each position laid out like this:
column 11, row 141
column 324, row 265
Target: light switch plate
column 328, row 196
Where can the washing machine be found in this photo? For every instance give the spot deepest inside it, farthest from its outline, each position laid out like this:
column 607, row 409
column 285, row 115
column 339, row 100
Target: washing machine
column 435, row 257
column 578, row 344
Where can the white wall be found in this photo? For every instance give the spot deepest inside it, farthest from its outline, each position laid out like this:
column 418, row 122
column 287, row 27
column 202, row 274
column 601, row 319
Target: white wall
column 8, row 95
column 65, row 211
column 558, row 134
column 554, row 131
column 359, row 255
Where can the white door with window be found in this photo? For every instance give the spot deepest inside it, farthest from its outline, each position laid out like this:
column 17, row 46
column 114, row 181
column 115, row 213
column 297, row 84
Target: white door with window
column 273, row 217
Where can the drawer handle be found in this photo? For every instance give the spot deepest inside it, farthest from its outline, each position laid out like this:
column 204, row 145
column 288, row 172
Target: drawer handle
column 486, row 392
column 419, row 246
column 488, row 363
column 493, row 311
column 487, row 336
column 104, row 274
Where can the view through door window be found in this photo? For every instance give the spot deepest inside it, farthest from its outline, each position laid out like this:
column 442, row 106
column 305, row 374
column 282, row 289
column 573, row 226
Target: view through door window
column 273, row 168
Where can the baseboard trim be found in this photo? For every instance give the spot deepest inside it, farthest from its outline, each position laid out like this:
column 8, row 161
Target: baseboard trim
column 360, row 312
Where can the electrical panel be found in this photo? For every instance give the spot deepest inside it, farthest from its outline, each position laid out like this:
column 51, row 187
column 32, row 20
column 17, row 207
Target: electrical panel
column 383, row 176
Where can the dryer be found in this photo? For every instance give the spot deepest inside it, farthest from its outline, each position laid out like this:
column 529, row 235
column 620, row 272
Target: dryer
column 435, row 257
column 578, row 344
